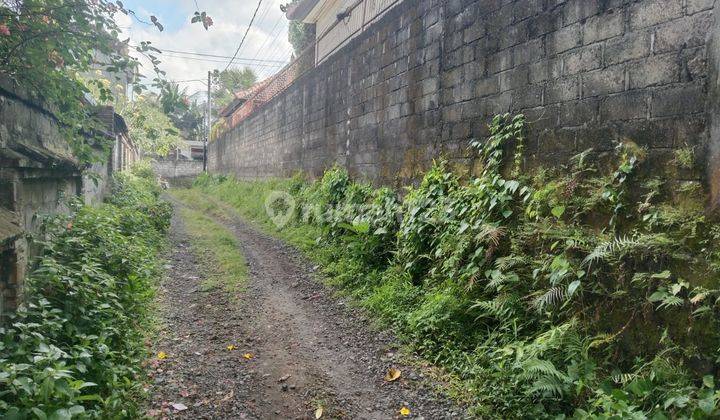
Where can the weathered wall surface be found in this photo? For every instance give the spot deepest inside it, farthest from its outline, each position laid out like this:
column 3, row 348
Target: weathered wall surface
column 177, row 169
column 430, row 74
column 38, row 174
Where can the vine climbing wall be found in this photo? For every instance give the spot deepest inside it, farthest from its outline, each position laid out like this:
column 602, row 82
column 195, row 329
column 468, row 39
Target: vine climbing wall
column 428, row 76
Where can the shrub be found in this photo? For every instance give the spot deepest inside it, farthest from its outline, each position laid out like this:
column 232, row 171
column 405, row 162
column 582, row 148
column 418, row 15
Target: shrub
column 143, row 169
column 75, row 345
column 585, row 290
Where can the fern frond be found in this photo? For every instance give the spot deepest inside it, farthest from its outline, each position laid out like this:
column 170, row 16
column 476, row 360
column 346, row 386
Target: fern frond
column 491, row 233
column 552, row 297
column 611, row 248
column 547, row 386
column 534, row 369
column 621, row 246
column 499, row 308
column 624, row 378
column 511, row 261
column 671, row 301
column 496, row 281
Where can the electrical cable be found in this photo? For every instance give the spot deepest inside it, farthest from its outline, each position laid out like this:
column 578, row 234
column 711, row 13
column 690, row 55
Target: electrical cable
column 242, row 41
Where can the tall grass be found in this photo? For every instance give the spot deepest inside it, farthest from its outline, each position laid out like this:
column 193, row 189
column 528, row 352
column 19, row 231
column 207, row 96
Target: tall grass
column 582, row 291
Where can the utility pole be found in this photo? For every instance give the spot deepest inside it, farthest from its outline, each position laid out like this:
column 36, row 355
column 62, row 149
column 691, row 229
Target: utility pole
column 207, row 125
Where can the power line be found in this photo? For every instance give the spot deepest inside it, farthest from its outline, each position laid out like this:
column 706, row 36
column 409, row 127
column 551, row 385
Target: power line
column 211, row 60
column 244, row 36
column 266, row 39
column 212, row 55
column 278, row 50
column 188, row 80
column 263, row 15
column 216, row 55
column 277, row 46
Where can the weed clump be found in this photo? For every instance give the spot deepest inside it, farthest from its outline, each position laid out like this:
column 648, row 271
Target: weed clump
column 75, row 346
column 575, row 291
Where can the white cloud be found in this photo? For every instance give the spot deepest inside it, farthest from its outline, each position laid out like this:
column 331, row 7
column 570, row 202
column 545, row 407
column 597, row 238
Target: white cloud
column 267, row 39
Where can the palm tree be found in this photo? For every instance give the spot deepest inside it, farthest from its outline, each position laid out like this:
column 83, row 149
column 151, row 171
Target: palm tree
column 172, row 99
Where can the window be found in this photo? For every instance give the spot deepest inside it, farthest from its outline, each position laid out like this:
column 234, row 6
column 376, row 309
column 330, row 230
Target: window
column 196, row 153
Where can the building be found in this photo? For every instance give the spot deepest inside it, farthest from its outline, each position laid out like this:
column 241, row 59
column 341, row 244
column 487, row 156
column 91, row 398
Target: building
column 181, row 165
column 247, row 100
column 39, row 173
column 337, row 21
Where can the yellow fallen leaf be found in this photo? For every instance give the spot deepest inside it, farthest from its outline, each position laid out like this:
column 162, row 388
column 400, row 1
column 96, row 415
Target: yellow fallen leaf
column 404, row 411
column 319, row 412
column 248, row 356
column 231, row 347
column 392, row 375
column 162, row 355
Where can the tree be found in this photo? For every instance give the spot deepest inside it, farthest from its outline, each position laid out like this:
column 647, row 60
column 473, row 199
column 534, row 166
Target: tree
column 46, row 45
column 191, row 122
column 186, row 116
column 173, row 99
column 230, row 81
column 300, row 35
column 150, row 127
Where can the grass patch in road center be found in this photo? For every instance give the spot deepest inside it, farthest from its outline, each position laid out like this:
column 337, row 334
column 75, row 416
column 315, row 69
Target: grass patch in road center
column 584, row 291
column 247, row 200
column 218, row 249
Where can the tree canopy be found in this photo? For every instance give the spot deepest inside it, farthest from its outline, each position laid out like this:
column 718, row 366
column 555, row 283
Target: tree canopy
column 228, row 82
column 47, row 45
column 150, row 127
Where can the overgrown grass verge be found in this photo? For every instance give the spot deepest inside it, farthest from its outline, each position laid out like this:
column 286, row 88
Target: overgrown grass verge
column 247, row 199
column 587, row 291
column 218, row 248
column 76, row 345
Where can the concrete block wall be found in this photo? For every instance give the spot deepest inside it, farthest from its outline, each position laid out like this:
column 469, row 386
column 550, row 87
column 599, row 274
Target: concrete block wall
column 177, row 169
column 38, row 175
column 430, row 74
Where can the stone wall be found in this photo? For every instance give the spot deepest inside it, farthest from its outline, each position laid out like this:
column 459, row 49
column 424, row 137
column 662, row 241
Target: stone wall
column 430, row 75
column 174, row 170
column 38, row 175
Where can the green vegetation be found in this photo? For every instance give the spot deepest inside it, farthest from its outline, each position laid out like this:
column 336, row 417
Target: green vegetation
column 584, row 291
column 46, row 46
column 227, row 83
column 150, row 128
column 76, row 344
column 216, row 246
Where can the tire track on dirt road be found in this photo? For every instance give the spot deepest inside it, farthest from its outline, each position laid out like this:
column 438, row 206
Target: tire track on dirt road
column 310, row 349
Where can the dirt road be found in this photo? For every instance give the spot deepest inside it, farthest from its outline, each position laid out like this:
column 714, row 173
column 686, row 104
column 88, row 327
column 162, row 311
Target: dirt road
column 294, row 347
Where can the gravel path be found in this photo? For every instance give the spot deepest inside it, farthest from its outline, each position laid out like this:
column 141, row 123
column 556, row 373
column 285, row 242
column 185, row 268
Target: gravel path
column 297, row 347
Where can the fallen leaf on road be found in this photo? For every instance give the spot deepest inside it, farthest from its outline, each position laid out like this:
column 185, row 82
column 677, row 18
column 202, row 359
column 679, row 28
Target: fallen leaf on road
column 179, row 406
column 231, row 347
column 404, row 411
column 248, row 356
column 319, row 412
column 392, row 375
column 162, row 355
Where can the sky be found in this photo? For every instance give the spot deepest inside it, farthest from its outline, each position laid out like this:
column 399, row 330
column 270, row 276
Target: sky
column 267, row 39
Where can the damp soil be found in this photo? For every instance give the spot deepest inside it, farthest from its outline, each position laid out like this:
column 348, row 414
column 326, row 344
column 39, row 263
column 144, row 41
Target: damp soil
column 294, row 345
